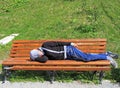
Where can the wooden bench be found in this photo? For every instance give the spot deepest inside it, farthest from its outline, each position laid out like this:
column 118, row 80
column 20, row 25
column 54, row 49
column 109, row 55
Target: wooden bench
column 19, row 57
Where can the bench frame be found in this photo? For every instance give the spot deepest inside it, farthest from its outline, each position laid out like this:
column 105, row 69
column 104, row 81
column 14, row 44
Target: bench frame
column 19, row 58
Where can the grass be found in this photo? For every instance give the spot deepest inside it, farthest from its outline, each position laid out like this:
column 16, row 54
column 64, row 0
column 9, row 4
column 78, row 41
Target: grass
column 61, row 76
column 60, row 19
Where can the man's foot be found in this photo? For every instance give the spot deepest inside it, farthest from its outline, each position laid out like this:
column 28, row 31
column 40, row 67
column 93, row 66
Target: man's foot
column 112, row 61
column 115, row 56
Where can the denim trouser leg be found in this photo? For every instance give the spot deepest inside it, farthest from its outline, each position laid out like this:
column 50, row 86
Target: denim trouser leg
column 75, row 54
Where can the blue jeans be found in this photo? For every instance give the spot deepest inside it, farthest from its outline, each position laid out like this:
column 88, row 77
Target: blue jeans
column 76, row 54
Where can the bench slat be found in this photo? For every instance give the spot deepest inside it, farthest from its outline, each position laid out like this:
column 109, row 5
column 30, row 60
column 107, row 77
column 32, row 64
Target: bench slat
column 75, row 40
column 55, row 62
column 78, row 68
column 79, row 43
column 81, row 47
column 26, row 48
column 27, row 54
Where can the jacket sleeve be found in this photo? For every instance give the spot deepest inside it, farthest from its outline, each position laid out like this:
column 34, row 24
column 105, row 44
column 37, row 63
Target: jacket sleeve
column 55, row 43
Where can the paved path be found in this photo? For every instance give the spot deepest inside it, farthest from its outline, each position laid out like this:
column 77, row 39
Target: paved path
column 75, row 84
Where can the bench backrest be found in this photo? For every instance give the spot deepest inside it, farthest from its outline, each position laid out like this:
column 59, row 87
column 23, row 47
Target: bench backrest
column 21, row 48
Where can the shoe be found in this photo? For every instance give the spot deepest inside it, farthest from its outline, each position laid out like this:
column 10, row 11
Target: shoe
column 115, row 56
column 112, row 62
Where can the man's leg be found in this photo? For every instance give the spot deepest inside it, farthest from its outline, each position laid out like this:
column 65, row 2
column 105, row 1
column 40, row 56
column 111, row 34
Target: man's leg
column 75, row 54
column 79, row 55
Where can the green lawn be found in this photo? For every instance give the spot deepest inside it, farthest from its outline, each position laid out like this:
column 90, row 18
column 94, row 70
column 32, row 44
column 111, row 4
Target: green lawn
column 59, row 19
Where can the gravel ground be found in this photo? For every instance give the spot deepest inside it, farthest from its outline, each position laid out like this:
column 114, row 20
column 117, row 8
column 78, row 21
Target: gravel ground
column 75, row 84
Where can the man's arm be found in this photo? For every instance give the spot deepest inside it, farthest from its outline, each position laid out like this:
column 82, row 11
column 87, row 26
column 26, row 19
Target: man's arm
column 55, row 43
column 58, row 43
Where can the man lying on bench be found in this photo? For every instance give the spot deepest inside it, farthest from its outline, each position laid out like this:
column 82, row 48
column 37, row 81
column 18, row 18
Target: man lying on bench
column 55, row 50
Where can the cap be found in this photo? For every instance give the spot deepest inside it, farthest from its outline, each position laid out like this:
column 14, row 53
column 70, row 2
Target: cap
column 34, row 54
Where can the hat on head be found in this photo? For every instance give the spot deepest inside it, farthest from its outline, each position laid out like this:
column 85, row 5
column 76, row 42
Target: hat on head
column 34, row 55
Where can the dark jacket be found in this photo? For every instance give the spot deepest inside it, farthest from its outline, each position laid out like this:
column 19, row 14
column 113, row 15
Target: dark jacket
column 55, row 49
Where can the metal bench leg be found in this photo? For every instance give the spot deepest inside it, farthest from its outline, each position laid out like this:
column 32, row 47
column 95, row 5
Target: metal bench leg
column 5, row 72
column 101, row 74
column 51, row 75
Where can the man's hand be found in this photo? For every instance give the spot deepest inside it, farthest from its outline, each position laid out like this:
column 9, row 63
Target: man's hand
column 74, row 44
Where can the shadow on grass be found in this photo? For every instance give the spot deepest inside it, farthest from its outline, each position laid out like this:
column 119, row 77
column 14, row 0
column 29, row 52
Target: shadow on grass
column 115, row 73
column 25, row 76
column 61, row 76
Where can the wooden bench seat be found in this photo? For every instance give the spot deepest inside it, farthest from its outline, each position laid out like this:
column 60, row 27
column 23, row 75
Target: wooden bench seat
column 19, row 57
column 58, row 65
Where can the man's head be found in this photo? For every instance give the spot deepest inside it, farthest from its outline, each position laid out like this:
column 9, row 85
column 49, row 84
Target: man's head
column 38, row 55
